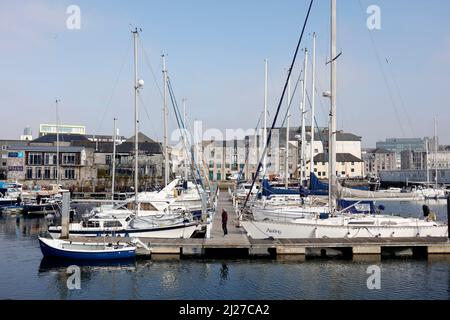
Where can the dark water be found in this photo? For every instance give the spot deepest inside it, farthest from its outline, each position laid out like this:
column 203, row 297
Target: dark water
column 24, row 274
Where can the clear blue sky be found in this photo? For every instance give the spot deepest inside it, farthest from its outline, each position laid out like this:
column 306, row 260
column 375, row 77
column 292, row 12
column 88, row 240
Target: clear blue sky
column 215, row 59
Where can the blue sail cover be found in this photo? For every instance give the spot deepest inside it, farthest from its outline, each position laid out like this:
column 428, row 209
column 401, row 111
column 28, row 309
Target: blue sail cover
column 268, row 190
column 316, row 187
column 319, row 188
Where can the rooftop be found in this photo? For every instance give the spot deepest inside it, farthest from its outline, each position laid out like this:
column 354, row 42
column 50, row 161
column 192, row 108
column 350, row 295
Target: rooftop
column 340, row 157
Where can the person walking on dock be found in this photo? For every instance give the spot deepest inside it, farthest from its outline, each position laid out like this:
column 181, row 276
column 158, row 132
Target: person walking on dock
column 224, row 222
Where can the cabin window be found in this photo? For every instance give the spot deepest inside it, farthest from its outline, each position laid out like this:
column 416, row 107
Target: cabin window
column 112, row 224
column 91, row 224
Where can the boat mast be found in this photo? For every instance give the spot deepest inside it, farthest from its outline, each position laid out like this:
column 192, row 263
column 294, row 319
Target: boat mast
column 332, row 125
column 136, row 122
column 165, row 142
column 313, row 100
column 287, row 132
column 303, row 111
column 265, row 118
column 426, row 160
column 185, row 142
column 435, row 154
column 57, row 145
column 113, row 161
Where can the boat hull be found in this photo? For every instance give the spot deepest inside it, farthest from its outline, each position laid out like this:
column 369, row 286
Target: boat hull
column 184, row 231
column 54, row 252
column 282, row 230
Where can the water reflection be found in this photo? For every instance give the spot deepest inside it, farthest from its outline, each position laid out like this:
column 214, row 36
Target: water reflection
column 223, row 273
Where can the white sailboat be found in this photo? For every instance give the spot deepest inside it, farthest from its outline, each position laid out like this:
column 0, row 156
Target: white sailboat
column 158, row 220
column 341, row 224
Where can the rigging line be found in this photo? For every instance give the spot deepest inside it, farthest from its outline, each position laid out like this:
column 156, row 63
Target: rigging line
column 269, row 137
column 125, row 60
column 148, row 116
column 402, row 101
column 248, row 149
column 292, row 98
column 149, row 65
column 194, row 168
column 391, row 96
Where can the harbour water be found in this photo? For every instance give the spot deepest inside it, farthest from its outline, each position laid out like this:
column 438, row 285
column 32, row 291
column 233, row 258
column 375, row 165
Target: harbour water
column 26, row 275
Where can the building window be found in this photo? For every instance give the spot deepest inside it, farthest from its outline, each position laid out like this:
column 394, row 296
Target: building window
column 54, row 173
column 108, row 159
column 323, row 173
column 227, row 165
column 49, row 158
column 38, row 173
column 69, row 174
column 211, row 164
column 320, row 174
column 46, row 173
column 29, row 173
column 353, row 170
column 68, row 158
column 353, row 163
column 35, row 159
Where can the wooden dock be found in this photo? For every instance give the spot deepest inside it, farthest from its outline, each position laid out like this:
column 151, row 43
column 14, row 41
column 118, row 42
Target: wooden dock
column 237, row 244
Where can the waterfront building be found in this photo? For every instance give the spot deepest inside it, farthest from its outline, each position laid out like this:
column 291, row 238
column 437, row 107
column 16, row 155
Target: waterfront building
column 62, row 128
column 347, row 166
column 376, row 160
column 27, row 134
column 224, row 160
column 37, row 165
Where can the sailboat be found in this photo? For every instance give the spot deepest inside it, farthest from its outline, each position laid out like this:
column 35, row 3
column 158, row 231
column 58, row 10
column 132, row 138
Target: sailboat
column 128, row 221
column 341, row 224
column 432, row 192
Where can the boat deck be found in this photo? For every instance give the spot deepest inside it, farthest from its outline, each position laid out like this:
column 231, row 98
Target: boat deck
column 237, row 244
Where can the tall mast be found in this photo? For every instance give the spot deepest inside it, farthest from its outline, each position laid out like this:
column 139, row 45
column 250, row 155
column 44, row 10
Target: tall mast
column 57, row 145
column 185, row 142
column 265, row 118
column 113, row 160
column 332, row 125
column 303, row 111
column 313, row 101
column 435, row 154
column 426, row 161
column 287, row 132
column 165, row 112
column 136, row 122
